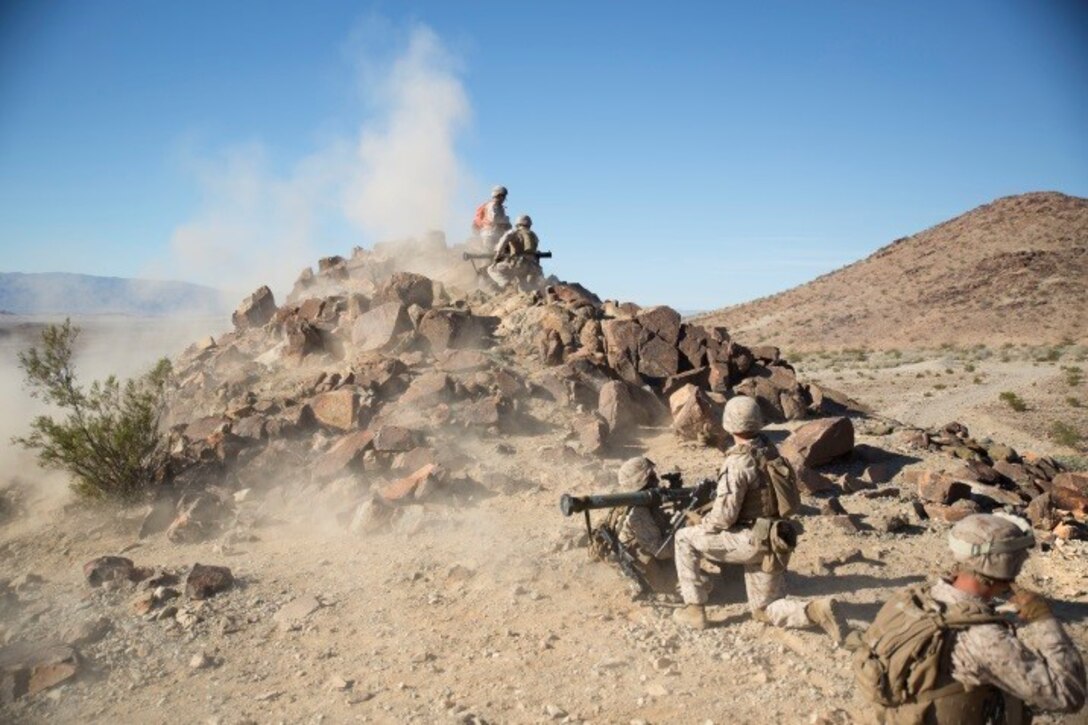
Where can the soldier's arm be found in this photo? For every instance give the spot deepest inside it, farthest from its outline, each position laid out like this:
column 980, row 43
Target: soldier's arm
column 733, row 481
column 1041, row 666
column 646, row 532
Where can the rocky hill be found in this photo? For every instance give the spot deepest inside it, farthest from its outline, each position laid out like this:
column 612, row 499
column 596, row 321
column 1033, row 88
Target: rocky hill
column 1014, row 270
column 58, row 293
column 359, row 520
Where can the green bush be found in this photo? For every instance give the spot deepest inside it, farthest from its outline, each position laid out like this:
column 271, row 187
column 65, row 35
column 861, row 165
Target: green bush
column 1014, row 401
column 1064, row 434
column 1073, row 402
column 110, row 439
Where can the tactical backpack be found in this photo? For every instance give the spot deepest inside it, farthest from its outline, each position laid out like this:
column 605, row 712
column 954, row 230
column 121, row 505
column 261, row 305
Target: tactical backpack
column 899, row 662
column 784, row 498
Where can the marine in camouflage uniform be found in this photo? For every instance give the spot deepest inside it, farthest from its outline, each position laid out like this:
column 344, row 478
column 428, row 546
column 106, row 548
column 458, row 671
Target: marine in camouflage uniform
column 726, row 536
column 987, row 671
column 492, row 219
column 508, row 267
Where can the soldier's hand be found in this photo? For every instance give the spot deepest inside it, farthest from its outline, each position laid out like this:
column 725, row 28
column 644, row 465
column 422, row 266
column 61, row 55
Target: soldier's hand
column 1030, row 606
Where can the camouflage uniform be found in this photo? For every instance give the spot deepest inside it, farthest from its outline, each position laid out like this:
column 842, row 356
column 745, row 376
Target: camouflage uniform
column 509, row 268
column 723, row 538
column 642, row 532
column 1036, row 663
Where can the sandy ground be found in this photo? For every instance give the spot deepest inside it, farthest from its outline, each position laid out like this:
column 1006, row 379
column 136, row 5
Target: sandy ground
column 488, row 610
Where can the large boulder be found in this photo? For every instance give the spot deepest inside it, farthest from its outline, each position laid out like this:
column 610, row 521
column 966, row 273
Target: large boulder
column 819, row 442
column 408, row 289
column 621, row 344
column 661, row 321
column 619, row 408
column 256, row 310
column 446, row 329
column 379, row 327
column 429, row 388
column 694, row 416
column 344, row 457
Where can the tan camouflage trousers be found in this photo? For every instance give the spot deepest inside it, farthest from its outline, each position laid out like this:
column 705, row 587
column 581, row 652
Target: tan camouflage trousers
column 766, row 591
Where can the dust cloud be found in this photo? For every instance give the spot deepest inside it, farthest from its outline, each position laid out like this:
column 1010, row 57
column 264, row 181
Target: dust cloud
column 398, row 176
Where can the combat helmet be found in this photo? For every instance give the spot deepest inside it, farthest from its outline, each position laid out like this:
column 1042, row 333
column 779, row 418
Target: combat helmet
column 637, row 473
column 524, row 221
column 498, row 191
column 991, row 545
column 742, row 415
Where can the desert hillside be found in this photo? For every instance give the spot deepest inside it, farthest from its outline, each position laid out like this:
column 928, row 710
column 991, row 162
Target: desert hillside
column 1014, row 270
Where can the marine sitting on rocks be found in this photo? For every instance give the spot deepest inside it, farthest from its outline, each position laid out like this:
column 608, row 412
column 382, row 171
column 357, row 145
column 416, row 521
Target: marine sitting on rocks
column 942, row 654
column 757, row 491
column 513, row 261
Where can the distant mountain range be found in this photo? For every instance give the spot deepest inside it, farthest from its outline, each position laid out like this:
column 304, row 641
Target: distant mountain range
column 59, row 293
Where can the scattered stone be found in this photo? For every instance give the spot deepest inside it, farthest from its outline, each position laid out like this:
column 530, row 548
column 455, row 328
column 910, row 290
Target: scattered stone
column 393, row 438
column 422, row 480
column 940, row 488
column 345, row 456
column 832, row 507
column 27, row 669
column 88, row 632
column 200, row 661
column 850, row 523
column 380, row 326
column 205, row 581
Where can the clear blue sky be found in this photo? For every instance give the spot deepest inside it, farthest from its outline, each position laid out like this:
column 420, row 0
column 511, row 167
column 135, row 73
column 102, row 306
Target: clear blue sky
column 692, row 153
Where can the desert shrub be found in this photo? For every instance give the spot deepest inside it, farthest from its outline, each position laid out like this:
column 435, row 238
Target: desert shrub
column 1073, row 375
column 977, row 380
column 1052, row 355
column 1064, row 434
column 939, row 386
column 1073, row 402
column 109, row 439
column 927, row 394
column 1014, row 401
column 969, row 368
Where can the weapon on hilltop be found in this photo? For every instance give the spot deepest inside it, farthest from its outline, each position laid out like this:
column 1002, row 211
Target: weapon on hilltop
column 674, row 495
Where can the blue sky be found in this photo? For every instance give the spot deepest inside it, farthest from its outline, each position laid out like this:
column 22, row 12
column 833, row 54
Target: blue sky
column 696, row 154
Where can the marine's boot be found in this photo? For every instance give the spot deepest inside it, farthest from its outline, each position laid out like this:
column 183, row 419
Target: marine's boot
column 825, row 614
column 691, row 615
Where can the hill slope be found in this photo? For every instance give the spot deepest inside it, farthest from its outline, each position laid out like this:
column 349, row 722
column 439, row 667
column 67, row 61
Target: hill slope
column 83, row 294
column 1014, row 270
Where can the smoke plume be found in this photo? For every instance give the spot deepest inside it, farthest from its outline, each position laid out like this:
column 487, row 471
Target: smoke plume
column 398, row 175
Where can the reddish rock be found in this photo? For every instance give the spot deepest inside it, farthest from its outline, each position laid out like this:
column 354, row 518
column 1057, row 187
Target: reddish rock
column 255, row 310
column 940, row 488
column 617, row 406
column 699, row 377
column 819, row 442
column 200, row 516
column 26, row 669
column 592, row 433
column 303, row 339
column 1040, row 512
column 337, row 409
column 661, row 321
column 408, row 486
column 658, row 359
column 293, row 421
column 1075, row 480
column 693, row 345
column 694, row 417
column 406, row 288
column 766, row 394
column 951, row 514
column 718, row 377
column 590, row 337
column 878, row 473
column 205, row 581
column 991, row 496
column 814, row 481
column 765, row 353
column 394, row 438
column 621, row 343
column 115, row 569
column 379, row 327
column 1015, row 472
column 447, row 329
column 428, row 389
column 414, row 459
column 344, row 457
column 1069, row 499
